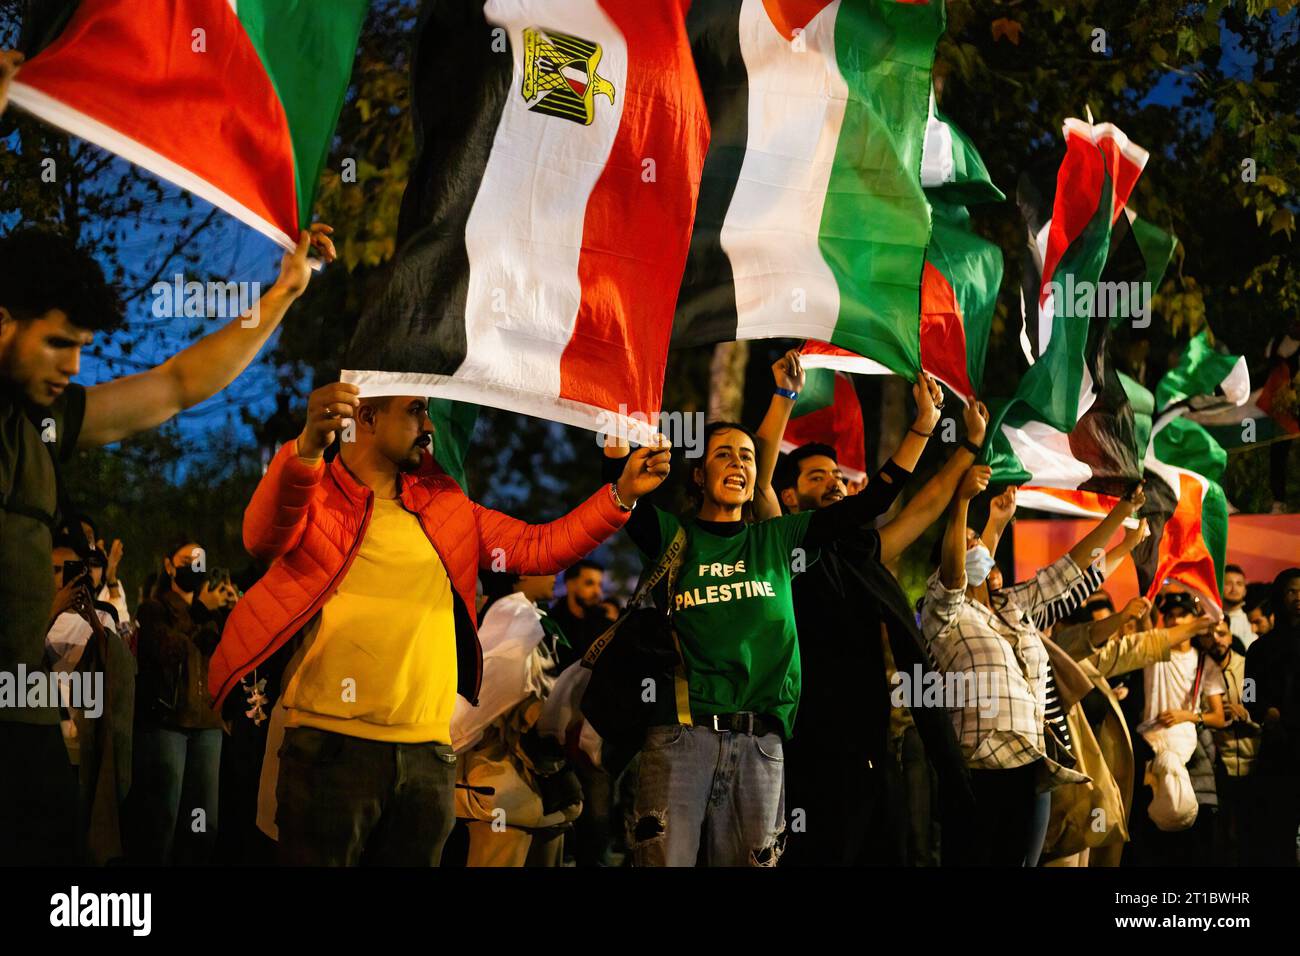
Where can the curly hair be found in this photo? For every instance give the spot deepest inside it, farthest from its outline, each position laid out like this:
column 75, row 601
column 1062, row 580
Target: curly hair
column 42, row 270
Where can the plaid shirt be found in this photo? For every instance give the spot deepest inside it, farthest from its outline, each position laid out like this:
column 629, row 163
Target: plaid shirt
column 1004, row 652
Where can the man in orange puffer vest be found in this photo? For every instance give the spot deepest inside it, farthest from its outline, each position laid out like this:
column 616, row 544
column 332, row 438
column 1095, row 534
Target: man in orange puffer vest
column 375, row 559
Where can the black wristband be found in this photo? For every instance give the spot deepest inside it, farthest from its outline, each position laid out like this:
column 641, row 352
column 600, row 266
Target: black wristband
column 922, row 434
column 970, row 446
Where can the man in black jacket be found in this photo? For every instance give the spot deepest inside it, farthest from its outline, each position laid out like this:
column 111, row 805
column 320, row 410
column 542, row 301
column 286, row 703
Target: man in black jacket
column 860, row 772
column 1273, row 665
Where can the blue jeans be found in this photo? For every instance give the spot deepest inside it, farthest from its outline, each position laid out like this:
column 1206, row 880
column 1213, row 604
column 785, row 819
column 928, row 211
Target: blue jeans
column 175, row 773
column 702, row 789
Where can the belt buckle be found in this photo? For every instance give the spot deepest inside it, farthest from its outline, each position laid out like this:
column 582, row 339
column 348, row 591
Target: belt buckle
column 721, row 730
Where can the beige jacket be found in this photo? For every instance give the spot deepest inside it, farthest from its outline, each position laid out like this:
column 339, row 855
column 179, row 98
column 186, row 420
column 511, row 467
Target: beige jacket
column 1096, row 814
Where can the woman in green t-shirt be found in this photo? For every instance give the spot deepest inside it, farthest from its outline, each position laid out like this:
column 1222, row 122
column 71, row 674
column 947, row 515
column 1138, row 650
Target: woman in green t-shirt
column 718, row 781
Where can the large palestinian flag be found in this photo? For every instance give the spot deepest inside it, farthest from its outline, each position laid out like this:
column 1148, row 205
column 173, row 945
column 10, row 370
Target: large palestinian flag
column 233, row 100
column 546, row 221
column 812, row 222
column 1035, row 437
column 961, row 274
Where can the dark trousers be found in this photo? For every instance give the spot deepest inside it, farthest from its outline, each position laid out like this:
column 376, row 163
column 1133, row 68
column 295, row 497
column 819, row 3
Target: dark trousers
column 38, row 797
column 878, row 815
column 593, row 831
column 1240, row 810
column 1002, row 830
column 239, row 840
column 347, row 801
column 1279, row 794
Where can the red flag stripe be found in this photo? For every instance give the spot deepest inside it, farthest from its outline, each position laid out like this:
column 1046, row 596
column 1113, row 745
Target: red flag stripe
column 131, row 69
column 636, row 225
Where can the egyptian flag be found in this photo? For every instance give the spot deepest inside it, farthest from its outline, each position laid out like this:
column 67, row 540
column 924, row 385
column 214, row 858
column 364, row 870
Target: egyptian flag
column 828, row 411
column 545, row 224
column 1036, row 437
column 233, row 100
column 961, row 275
column 812, row 222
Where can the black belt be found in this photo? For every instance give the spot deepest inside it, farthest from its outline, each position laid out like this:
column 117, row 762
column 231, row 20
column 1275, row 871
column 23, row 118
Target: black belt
column 745, row 722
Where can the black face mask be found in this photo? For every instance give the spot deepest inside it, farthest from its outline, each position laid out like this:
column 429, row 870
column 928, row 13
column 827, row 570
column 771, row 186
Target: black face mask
column 187, row 579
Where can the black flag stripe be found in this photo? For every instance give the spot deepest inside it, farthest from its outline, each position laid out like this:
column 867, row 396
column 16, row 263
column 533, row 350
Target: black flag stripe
column 706, row 305
column 461, row 78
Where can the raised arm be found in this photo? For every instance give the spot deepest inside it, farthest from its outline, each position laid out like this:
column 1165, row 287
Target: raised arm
column 551, row 547
column 277, row 514
column 952, row 563
column 643, row 523
column 929, row 406
column 138, row 402
column 1093, row 544
column 788, row 374
column 928, row 504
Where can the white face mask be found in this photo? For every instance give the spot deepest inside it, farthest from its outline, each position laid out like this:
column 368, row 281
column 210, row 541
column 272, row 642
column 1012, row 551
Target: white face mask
column 978, row 565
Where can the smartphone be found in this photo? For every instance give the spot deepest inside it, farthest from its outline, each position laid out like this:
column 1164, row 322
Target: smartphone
column 72, row 570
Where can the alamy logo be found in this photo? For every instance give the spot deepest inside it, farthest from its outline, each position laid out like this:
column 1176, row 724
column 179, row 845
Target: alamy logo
column 74, row 908
column 196, row 300
column 83, row 690
column 952, row 691
column 1105, row 299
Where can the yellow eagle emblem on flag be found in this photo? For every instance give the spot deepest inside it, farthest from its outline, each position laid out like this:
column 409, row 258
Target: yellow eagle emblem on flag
column 560, row 76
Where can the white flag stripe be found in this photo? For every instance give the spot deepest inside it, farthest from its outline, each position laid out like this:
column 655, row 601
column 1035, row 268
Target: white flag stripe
column 1045, row 452
column 1042, row 500
column 858, row 364
column 797, row 101
column 937, row 165
column 524, row 235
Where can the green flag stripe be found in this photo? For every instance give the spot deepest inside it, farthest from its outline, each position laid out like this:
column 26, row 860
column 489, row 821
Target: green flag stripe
column 307, row 53
column 884, row 51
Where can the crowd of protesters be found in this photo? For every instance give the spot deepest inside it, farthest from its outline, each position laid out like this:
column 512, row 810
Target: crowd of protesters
column 398, row 683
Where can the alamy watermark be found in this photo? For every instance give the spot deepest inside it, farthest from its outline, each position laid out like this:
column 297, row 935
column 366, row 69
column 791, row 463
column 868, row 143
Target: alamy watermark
column 221, row 300
column 83, row 690
column 1085, row 300
column 952, row 691
column 684, row 430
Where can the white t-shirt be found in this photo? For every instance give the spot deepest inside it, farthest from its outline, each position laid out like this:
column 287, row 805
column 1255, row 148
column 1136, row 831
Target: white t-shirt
column 1239, row 623
column 1169, row 684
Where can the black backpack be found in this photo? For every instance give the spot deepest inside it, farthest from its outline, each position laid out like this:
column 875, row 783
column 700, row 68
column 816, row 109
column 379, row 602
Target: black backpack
column 629, row 676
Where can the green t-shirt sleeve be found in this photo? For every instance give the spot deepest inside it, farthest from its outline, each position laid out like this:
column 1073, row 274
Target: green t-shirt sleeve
column 668, row 525
column 791, row 530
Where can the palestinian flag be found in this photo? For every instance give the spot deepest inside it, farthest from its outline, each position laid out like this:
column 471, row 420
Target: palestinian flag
column 1186, row 508
column 828, row 411
column 1036, row 436
column 546, row 221
column 233, row 100
column 961, row 275
column 812, row 222
column 1269, row 413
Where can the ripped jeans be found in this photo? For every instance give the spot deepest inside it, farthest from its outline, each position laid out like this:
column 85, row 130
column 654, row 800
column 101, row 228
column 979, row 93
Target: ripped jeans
column 697, row 784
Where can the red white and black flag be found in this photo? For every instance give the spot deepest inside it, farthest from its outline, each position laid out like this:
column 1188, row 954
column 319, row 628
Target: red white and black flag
column 547, row 219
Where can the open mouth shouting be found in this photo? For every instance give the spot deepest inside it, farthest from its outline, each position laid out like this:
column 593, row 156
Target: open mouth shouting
column 734, row 483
